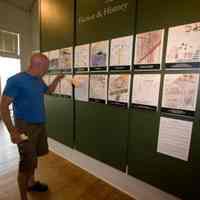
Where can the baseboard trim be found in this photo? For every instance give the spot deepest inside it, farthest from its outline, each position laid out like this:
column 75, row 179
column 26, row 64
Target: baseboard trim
column 125, row 183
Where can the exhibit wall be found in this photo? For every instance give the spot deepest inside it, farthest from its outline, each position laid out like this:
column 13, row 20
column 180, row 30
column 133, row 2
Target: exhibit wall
column 136, row 103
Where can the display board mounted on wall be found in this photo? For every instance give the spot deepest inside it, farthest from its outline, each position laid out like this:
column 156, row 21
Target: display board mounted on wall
column 98, row 88
column 121, row 53
column 180, row 93
column 183, row 47
column 145, row 91
column 99, row 56
column 148, row 50
column 82, row 55
column 119, row 89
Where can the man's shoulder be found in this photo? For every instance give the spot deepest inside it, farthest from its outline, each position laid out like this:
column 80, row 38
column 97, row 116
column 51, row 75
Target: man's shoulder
column 16, row 77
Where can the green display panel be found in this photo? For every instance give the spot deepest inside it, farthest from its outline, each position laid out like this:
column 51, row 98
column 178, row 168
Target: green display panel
column 101, row 132
column 105, row 132
column 169, row 174
column 104, row 19
column 154, row 15
column 60, row 119
column 57, row 24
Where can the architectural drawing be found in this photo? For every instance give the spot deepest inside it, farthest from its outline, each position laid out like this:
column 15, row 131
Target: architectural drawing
column 66, row 58
column 180, row 91
column 53, row 59
column 82, row 56
column 148, row 47
column 121, row 51
column 119, row 88
column 146, row 89
column 98, row 86
column 99, row 54
column 183, row 44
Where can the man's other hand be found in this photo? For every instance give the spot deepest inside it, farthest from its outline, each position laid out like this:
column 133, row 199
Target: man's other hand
column 15, row 136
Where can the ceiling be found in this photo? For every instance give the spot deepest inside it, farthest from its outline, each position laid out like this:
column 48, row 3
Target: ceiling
column 25, row 5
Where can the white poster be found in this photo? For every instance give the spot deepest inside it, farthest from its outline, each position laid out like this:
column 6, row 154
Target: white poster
column 98, row 87
column 82, row 56
column 175, row 138
column 66, row 58
column 54, row 59
column 183, row 44
column 51, row 79
column 46, row 79
column 121, row 51
column 119, row 88
column 81, row 89
column 180, row 91
column 146, row 89
column 99, row 54
column 148, row 47
column 66, row 85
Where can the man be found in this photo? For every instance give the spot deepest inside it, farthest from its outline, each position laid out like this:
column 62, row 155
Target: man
column 26, row 91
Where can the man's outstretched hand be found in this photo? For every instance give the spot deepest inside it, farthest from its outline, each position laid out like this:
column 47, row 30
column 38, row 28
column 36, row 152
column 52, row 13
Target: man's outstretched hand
column 75, row 82
column 60, row 76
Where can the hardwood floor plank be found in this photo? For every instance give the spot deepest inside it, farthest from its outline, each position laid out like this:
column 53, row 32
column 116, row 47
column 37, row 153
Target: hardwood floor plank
column 66, row 181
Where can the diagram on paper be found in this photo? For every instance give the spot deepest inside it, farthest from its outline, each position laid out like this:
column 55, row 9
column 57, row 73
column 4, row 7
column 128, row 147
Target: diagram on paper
column 183, row 44
column 66, row 58
column 146, row 89
column 119, row 88
column 81, row 90
column 121, row 51
column 53, row 59
column 148, row 48
column 180, row 91
column 98, row 86
column 99, row 54
column 66, row 85
column 82, row 56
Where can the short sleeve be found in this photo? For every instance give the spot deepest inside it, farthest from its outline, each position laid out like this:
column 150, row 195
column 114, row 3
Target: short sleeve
column 45, row 87
column 11, row 89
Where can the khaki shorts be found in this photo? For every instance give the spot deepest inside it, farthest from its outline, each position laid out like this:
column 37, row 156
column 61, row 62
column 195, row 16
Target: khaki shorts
column 36, row 145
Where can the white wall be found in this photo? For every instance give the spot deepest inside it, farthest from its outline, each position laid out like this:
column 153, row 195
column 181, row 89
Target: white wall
column 35, row 27
column 16, row 20
column 11, row 66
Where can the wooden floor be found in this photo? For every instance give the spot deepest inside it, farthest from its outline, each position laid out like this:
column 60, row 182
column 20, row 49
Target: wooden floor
column 66, row 181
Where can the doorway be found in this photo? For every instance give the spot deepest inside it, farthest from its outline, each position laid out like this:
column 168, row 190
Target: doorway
column 8, row 68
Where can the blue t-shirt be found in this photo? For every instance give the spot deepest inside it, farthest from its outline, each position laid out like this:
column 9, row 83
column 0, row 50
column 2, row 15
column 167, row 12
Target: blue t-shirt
column 27, row 92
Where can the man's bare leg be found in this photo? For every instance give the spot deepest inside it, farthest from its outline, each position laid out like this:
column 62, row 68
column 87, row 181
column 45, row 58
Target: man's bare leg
column 31, row 180
column 23, row 178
